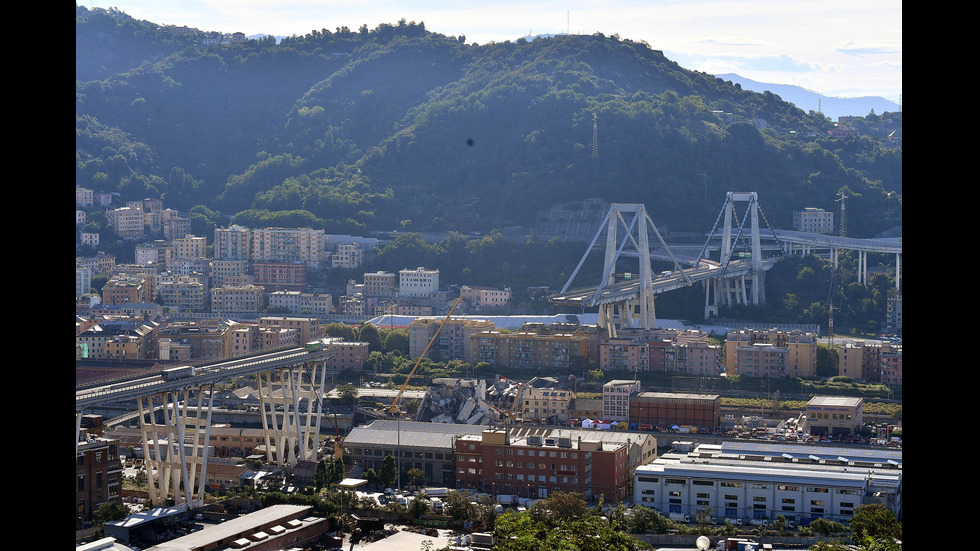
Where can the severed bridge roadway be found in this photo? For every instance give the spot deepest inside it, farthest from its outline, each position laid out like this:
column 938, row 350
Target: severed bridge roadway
column 128, row 389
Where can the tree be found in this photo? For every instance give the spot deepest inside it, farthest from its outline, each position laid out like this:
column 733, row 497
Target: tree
column 397, row 340
column 336, row 470
column 415, row 476
column 458, row 505
column 369, row 333
column 347, row 393
column 874, row 521
column 320, row 476
column 419, row 506
column 110, row 511
column 559, row 505
column 388, row 474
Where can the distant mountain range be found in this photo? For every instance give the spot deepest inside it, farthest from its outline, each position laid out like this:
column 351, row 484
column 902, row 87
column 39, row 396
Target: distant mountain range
column 808, row 100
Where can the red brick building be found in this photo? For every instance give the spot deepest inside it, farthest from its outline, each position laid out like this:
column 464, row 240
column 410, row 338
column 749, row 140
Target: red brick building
column 536, row 466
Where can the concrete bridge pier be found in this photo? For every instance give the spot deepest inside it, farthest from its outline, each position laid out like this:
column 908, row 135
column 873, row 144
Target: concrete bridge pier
column 176, row 466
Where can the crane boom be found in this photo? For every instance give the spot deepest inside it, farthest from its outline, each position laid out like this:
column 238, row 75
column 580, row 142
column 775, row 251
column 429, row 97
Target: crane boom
column 394, row 404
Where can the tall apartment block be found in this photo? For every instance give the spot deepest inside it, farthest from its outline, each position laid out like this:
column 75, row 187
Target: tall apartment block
column 232, row 243
column 285, row 245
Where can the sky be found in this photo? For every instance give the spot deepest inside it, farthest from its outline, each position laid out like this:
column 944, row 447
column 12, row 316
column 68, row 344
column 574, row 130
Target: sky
column 838, row 48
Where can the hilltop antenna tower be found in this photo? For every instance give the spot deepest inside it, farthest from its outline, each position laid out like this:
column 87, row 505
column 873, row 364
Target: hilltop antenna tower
column 843, row 215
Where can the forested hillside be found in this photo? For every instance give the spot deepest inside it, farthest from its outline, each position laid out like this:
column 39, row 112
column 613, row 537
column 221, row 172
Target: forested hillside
column 399, row 128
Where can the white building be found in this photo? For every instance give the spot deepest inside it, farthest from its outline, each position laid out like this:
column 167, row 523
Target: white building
column 418, row 283
column 813, row 220
column 752, row 482
column 616, row 399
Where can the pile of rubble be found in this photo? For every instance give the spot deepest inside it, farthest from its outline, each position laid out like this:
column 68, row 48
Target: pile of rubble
column 467, row 401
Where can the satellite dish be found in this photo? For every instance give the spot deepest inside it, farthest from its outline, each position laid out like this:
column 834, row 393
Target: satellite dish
column 702, row 543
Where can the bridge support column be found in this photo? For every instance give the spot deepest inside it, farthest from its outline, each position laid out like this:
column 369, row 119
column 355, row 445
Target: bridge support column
column 291, row 434
column 176, row 468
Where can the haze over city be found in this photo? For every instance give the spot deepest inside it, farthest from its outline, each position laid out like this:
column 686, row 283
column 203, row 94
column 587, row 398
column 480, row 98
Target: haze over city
column 835, row 48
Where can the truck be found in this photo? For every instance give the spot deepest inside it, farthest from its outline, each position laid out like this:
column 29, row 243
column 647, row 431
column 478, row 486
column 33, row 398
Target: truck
column 174, row 373
column 314, row 346
column 738, row 544
column 437, row 505
column 680, row 517
column 482, row 539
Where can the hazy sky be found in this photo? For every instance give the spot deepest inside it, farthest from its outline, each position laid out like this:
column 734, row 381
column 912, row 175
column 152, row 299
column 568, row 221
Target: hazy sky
column 843, row 48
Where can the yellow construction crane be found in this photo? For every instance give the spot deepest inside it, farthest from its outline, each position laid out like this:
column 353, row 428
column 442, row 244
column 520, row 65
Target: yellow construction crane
column 393, row 408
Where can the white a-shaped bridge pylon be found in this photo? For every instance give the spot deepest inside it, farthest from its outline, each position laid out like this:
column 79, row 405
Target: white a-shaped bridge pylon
column 636, row 309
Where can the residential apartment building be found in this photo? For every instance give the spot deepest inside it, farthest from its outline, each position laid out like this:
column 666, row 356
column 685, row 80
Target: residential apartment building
column 122, row 289
column 698, row 358
column 665, row 409
column 309, row 328
column 285, row 246
column 278, row 276
column 893, row 313
column 89, row 239
column 100, row 264
column 183, row 293
column 814, row 220
column 137, row 310
column 202, row 340
column 789, row 354
column 418, row 283
column 230, row 272
column 545, row 405
column 380, row 284
column 98, row 472
column 353, row 307
column 891, row 364
column 190, row 247
column 159, row 253
column 348, row 256
column 84, row 197
column 755, row 481
column 616, row 396
column 121, row 339
column 126, row 222
column 83, row 281
column 528, row 349
column 482, row 297
column 296, row 302
column 454, row 338
column 232, row 243
column 349, row 355
column 238, row 300
column 174, row 225
column 624, row 353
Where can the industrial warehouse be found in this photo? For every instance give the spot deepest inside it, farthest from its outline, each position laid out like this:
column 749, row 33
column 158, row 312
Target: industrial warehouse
column 754, row 483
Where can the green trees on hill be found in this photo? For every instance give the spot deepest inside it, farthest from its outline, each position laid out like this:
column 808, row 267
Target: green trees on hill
column 397, row 128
